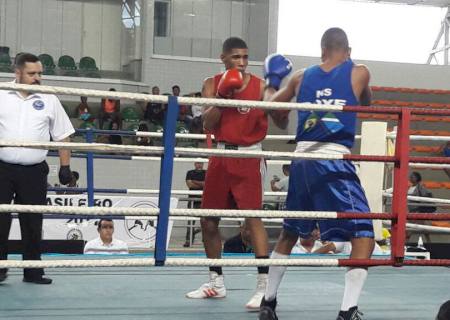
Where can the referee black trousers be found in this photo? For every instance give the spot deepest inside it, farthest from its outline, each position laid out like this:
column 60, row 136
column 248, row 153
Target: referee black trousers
column 24, row 185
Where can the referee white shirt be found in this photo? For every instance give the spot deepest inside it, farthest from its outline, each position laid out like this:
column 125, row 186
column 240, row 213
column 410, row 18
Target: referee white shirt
column 34, row 118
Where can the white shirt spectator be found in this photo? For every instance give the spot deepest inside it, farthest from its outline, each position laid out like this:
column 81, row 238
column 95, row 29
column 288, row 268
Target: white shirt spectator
column 34, row 118
column 283, row 184
column 97, row 246
column 196, row 111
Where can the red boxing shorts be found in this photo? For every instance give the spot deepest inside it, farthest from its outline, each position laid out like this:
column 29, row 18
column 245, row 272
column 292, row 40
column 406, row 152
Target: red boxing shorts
column 234, row 183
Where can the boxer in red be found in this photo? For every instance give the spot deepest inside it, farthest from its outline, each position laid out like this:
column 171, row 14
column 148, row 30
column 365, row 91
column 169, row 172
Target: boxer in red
column 235, row 183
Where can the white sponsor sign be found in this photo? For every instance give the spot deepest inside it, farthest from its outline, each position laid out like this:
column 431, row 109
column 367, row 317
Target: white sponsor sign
column 137, row 232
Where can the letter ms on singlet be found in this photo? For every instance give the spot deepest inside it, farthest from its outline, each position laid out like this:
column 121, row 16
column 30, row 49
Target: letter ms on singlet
column 335, row 88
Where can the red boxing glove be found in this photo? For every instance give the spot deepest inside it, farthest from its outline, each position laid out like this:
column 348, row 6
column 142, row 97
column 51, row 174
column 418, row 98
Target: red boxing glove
column 231, row 80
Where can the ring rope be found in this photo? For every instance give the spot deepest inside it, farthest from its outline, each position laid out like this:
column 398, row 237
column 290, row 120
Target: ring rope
column 142, row 262
column 420, row 199
column 101, row 147
column 422, row 228
column 102, row 211
column 233, row 213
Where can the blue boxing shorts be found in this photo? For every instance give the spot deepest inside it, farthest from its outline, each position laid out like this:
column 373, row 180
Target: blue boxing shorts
column 327, row 185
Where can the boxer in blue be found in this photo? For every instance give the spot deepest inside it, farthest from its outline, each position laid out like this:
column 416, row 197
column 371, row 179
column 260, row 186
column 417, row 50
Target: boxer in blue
column 323, row 185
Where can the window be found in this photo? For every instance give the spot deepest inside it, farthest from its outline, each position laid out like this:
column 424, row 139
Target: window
column 161, row 19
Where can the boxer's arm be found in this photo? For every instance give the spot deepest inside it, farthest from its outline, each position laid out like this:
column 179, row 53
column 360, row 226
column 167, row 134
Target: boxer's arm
column 211, row 115
column 285, row 94
column 360, row 84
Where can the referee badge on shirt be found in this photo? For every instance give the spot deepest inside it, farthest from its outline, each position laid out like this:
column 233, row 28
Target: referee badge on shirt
column 38, row 104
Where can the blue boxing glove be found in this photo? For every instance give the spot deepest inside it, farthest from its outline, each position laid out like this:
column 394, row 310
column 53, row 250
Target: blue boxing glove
column 276, row 68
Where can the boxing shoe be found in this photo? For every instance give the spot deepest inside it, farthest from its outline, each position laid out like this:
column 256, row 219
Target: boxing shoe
column 351, row 314
column 255, row 301
column 38, row 280
column 214, row 288
column 267, row 310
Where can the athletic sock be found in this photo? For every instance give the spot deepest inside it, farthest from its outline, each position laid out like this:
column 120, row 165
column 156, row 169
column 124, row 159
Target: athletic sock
column 218, row 270
column 275, row 275
column 354, row 282
column 263, row 269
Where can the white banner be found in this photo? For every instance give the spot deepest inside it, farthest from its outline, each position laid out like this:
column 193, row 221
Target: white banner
column 137, row 232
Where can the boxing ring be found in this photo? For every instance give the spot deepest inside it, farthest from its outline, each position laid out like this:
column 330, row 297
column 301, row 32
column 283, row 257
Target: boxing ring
column 159, row 292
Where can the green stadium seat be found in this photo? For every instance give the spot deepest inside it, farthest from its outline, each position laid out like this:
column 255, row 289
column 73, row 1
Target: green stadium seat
column 5, row 63
column 88, row 67
column 67, row 64
column 48, row 63
column 130, row 114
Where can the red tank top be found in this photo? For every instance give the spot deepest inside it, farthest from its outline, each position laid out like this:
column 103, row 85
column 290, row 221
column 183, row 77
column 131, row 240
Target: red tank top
column 242, row 126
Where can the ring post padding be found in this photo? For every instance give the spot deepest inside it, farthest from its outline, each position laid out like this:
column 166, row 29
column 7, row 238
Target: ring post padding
column 165, row 180
column 399, row 200
column 90, row 169
column 373, row 142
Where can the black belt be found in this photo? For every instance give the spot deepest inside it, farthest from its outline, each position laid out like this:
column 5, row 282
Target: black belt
column 231, row 146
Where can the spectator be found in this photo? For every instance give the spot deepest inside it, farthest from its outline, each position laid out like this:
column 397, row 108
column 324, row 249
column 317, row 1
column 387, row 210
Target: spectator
column 115, row 138
column 197, row 122
column 143, row 141
column 418, row 190
column 110, row 111
column 154, row 112
column 185, row 115
column 194, row 181
column 83, row 110
column 240, row 243
column 444, row 311
column 105, row 243
column 277, row 184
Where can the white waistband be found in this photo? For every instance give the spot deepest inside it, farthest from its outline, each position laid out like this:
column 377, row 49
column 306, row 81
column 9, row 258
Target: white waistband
column 321, row 147
column 253, row 147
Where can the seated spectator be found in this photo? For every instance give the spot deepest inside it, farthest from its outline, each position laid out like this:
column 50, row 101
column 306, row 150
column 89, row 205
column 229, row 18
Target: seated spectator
column 154, row 112
column 282, row 185
column 444, row 311
column 115, row 138
column 240, row 243
column 143, row 141
column 83, row 111
column 110, row 111
column 105, row 243
column 418, row 190
column 185, row 116
column 314, row 245
column 278, row 184
column 197, row 111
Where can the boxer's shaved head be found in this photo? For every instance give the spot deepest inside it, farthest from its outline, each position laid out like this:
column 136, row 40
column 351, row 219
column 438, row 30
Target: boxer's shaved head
column 233, row 43
column 334, row 39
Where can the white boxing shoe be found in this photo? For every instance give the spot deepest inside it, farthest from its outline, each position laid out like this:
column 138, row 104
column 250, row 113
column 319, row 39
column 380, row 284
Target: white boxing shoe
column 215, row 288
column 255, row 301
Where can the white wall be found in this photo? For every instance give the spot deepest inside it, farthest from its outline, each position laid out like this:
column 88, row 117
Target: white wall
column 199, row 27
column 76, row 28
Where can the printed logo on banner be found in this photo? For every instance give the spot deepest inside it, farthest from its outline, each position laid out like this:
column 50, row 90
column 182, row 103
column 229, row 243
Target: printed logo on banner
column 74, row 234
column 141, row 229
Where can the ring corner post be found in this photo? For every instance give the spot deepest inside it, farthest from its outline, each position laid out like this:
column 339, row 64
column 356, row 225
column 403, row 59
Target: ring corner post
column 400, row 194
column 165, row 182
column 90, row 169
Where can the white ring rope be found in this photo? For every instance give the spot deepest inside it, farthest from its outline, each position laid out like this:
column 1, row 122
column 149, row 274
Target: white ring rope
column 420, row 199
column 102, row 211
column 101, row 147
column 147, row 262
column 193, row 192
column 164, row 99
column 204, row 160
column 422, row 228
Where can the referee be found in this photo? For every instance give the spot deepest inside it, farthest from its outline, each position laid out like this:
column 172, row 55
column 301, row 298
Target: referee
column 26, row 116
